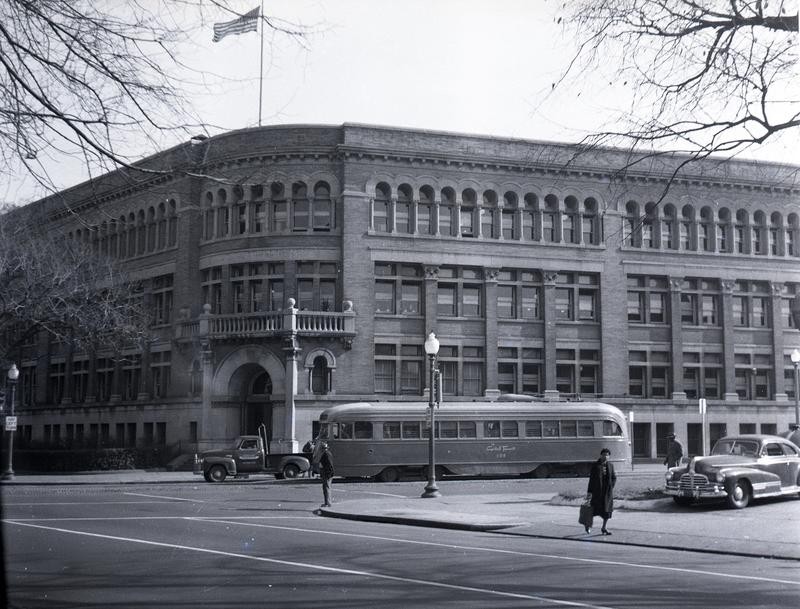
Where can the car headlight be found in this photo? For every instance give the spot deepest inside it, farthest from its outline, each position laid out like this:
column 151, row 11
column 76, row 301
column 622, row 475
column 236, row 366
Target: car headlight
column 668, row 477
column 719, row 477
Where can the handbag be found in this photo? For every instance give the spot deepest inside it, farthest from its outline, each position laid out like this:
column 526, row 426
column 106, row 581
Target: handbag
column 586, row 514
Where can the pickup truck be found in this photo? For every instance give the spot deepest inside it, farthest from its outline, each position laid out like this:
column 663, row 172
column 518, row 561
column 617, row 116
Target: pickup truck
column 247, row 456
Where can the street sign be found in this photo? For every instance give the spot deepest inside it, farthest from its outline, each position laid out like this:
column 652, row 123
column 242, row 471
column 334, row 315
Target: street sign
column 703, row 405
column 11, row 423
column 630, row 416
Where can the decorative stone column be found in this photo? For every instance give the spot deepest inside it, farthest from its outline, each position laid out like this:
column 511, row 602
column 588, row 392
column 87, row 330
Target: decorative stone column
column 490, row 290
column 550, row 335
column 676, row 346
column 728, row 342
column 776, row 380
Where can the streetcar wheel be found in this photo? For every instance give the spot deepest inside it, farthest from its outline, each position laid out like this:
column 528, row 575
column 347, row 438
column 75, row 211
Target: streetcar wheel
column 739, row 495
column 390, row 474
column 543, row 471
column 217, row 473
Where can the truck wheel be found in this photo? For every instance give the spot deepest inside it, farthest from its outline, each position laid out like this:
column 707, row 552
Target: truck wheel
column 206, row 476
column 217, row 473
column 739, row 495
column 290, row 471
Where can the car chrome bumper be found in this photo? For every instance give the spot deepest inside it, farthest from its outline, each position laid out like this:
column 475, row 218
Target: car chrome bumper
column 706, row 491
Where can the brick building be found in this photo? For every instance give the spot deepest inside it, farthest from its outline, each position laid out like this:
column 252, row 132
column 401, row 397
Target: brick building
column 291, row 268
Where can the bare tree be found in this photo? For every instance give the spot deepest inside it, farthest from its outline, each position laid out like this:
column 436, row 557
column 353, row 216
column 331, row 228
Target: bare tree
column 706, row 77
column 61, row 287
column 89, row 78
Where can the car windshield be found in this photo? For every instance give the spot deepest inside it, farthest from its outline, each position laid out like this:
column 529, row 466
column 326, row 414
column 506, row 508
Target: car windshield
column 747, row 448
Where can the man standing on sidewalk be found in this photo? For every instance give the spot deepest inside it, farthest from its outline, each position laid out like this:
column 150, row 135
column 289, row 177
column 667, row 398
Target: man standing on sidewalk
column 674, row 452
column 323, row 457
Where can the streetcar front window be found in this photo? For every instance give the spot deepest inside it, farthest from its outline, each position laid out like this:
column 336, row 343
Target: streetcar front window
column 611, row 428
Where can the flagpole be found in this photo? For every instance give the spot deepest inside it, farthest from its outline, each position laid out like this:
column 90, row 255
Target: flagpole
column 261, row 67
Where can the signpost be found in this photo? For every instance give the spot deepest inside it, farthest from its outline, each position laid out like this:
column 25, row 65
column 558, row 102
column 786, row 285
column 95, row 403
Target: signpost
column 11, row 423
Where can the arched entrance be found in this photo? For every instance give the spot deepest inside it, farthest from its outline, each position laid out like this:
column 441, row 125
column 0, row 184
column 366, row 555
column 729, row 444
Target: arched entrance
column 252, row 387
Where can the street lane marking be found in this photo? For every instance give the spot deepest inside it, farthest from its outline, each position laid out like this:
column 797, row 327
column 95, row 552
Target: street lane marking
column 374, row 493
column 115, row 518
column 84, row 503
column 289, row 563
column 164, row 497
column 502, row 551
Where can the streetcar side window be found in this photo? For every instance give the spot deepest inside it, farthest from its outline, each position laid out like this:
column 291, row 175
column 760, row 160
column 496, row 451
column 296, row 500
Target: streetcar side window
column 448, row 429
column 550, row 429
column 411, row 429
column 569, row 429
column 363, row 430
column 491, row 429
column 467, row 429
column 533, row 429
column 585, row 429
column 391, row 431
column 611, row 428
column 345, row 431
column 510, row 429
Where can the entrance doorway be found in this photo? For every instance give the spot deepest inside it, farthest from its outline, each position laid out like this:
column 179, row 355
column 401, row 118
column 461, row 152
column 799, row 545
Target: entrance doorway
column 256, row 401
column 641, row 440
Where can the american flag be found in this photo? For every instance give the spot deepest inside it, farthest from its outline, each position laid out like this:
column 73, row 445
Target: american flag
column 246, row 23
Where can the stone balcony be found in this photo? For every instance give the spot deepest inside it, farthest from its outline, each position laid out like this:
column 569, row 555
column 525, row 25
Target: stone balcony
column 291, row 322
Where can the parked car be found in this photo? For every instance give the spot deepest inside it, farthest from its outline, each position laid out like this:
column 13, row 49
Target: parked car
column 739, row 469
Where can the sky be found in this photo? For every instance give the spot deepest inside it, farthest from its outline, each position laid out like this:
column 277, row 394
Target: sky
column 472, row 66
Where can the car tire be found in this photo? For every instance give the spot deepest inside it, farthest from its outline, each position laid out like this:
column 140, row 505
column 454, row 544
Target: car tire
column 207, row 477
column 390, row 474
column 684, row 501
column 290, row 471
column 217, row 473
column 739, row 495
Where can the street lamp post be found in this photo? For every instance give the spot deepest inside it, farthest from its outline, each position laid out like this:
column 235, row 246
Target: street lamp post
column 8, row 470
column 795, row 356
column 431, row 349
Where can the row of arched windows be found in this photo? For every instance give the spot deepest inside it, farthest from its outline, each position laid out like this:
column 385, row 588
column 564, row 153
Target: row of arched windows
column 489, row 216
column 274, row 208
column 669, row 228
column 146, row 231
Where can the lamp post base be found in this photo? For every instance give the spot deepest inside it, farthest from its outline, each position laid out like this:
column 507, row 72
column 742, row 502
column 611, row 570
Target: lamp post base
column 431, row 490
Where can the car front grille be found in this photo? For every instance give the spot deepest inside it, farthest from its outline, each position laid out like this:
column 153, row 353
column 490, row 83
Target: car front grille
column 690, row 480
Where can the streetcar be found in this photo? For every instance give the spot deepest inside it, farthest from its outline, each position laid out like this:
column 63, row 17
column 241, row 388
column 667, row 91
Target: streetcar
column 389, row 440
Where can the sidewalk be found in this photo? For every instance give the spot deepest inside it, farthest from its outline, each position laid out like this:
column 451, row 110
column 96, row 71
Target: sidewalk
column 653, row 523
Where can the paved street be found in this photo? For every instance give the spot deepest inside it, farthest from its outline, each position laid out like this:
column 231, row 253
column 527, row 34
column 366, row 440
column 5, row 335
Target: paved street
column 262, row 543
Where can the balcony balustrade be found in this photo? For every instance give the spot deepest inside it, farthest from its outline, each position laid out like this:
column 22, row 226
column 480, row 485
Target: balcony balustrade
column 277, row 324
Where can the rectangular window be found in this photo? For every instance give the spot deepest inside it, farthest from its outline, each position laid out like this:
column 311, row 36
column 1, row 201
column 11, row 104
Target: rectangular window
column 411, row 296
column 507, row 218
column 467, row 429
column 739, row 311
column 424, row 220
column 587, row 305
column 280, row 217
column 411, row 377
column 689, row 309
column 564, row 304
column 402, row 218
column 471, row 301
column 491, row 429
column 658, row 308
column 467, row 222
column 487, row 223
column 473, row 378
column 384, row 376
column 530, row 303
column 446, row 220
column 448, row 429
column 533, row 429
column 709, row 310
column 391, row 431
column 509, row 429
column 300, row 214
column 446, row 300
column 322, row 214
column 412, row 430
column 384, row 297
column 506, row 302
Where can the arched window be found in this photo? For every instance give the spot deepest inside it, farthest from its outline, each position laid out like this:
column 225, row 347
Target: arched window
column 508, row 228
column 467, row 221
column 724, row 242
column 668, row 228
column 103, row 236
column 488, row 207
column 320, row 376
column 687, row 228
column 633, row 234
column 278, row 206
column 223, row 213
column 776, row 241
column 161, row 239
column 172, row 239
column 550, row 219
column 141, row 235
column 531, row 224
column 262, row 385
column 322, row 207
column 447, row 211
column 301, row 207
column 792, row 235
column 740, row 231
column 425, row 211
column 402, row 212
column 705, row 230
column 122, row 237
column 131, row 234
column 759, row 229
column 590, row 222
column 151, row 229
column 569, row 221
column 380, row 208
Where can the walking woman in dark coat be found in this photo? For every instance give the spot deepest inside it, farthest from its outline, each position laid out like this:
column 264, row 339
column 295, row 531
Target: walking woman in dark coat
column 602, row 479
